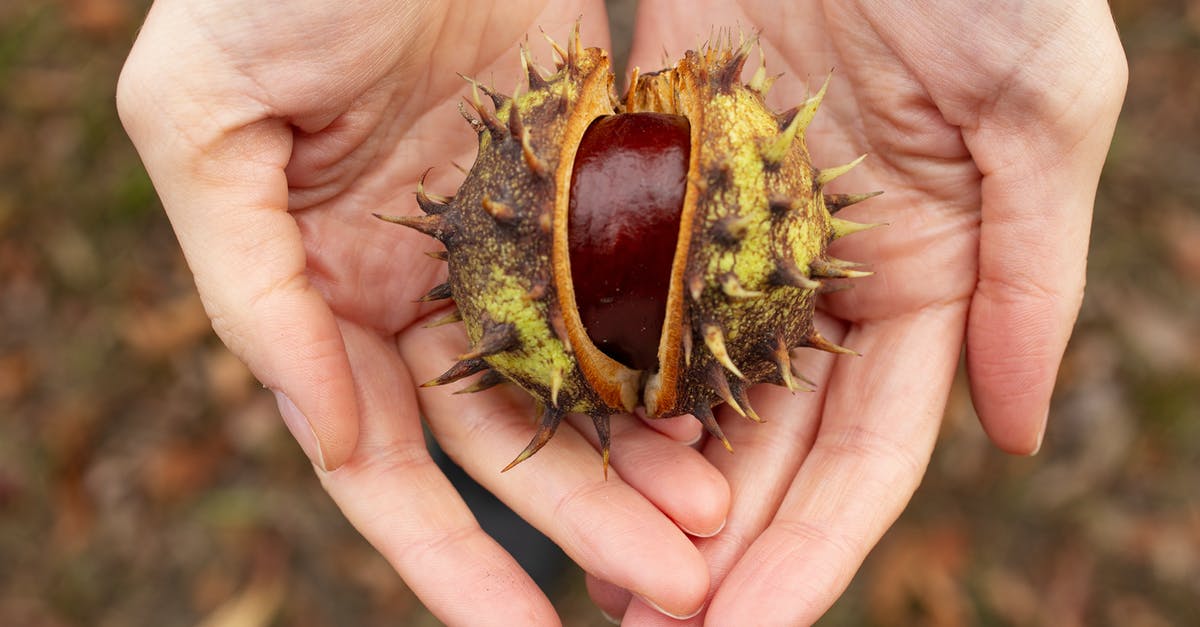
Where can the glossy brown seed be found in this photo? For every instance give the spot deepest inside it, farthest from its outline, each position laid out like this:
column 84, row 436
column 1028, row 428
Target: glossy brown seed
column 626, row 198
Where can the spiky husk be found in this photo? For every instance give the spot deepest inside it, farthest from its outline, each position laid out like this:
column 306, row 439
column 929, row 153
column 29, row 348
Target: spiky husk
column 749, row 260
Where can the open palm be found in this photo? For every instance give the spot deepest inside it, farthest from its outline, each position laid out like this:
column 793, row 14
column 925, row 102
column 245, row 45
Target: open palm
column 986, row 125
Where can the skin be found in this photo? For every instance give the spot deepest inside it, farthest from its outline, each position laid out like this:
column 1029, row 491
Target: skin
column 987, row 126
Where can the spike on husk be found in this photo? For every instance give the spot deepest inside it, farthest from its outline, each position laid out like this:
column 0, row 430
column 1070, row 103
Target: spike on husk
column 489, row 379
column 761, row 83
column 742, row 399
column 783, row 364
column 464, row 368
column 499, row 100
column 561, row 54
column 535, row 78
column 841, row 263
column 548, row 424
column 817, row 341
column 720, row 385
column 777, row 149
column 824, row 269
column 828, row 174
column 436, row 226
column 574, row 48
column 696, row 286
column 797, row 375
column 836, row 202
column 786, row 272
column 731, row 229
column 489, row 120
column 601, row 423
column 532, row 160
column 733, row 287
column 497, row 338
column 502, row 212
column 842, row 228
column 731, row 72
column 441, row 291
column 476, row 125
column 556, row 381
column 448, row 318
column 704, row 413
column 808, row 110
column 431, row 204
column 714, row 338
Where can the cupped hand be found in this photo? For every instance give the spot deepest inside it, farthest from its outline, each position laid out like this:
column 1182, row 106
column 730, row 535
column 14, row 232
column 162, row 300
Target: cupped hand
column 272, row 132
column 986, row 125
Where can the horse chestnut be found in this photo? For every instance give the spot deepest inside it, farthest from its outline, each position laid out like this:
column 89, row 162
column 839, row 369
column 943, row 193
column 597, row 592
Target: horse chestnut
column 663, row 249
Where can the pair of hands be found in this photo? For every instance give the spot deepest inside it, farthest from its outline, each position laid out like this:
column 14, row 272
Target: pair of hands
column 273, row 130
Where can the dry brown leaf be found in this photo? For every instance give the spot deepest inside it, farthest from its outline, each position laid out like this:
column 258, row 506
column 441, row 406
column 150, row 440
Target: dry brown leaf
column 1181, row 235
column 99, row 17
column 229, row 380
column 1011, row 597
column 916, row 578
column 167, row 328
column 255, row 606
column 180, row 468
column 17, row 373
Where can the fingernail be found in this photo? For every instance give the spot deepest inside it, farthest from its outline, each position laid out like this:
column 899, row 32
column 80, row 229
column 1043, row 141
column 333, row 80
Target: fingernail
column 1041, row 434
column 300, row 428
column 608, row 617
column 705, row 535
column 1037, row 448
column 660, row 610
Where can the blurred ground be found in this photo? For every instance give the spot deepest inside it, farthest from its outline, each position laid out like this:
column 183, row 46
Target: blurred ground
column 146, row 479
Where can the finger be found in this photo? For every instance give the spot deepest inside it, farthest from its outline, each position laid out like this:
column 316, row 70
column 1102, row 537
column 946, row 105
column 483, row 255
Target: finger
column 765, row 461
column 612, row 600
column 676, row 478
column 1040, row 149
column 605, row 525
column 396, row 496
column 878, row 426
column 684, row 429
column 219, row 173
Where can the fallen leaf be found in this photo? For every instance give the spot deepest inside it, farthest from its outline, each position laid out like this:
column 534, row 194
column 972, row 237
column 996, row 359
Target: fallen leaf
column 1181, row 236
column 916, row 578
column 181, row 468
column 99, row 17
column 17, row 373
column 229, row 380
column 255, row 606
column 167, row 328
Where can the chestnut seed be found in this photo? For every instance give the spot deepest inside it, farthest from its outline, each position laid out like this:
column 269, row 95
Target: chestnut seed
column 626, row 198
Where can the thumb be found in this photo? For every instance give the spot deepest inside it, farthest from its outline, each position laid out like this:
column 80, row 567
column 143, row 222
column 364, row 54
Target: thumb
column 218, row 166
column 1040, row 147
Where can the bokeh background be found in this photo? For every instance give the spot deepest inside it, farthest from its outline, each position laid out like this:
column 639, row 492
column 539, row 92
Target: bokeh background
column 145, row 479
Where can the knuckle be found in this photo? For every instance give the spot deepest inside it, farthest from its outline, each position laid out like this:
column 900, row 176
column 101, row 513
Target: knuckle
column 898, row 457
